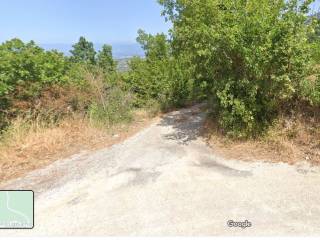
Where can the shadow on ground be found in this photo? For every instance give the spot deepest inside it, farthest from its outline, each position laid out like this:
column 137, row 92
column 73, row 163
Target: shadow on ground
column 222, row 168
column 186, row 124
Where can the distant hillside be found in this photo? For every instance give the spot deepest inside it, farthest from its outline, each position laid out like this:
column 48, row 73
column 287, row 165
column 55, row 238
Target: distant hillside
column 120, row 50
column 123, row 64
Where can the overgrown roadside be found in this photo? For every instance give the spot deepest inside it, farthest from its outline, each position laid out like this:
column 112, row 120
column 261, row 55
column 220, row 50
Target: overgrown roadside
column 28, row 149
column 168, row 172
column 291, row 139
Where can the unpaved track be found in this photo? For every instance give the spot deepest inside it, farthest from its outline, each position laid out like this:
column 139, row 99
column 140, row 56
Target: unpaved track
column 165, row 181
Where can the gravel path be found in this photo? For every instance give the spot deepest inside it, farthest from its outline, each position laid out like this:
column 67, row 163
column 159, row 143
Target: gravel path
column 166, row 181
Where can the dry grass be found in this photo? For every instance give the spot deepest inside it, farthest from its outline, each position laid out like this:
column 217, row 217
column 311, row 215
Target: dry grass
column 289, row 141
column 26, row 147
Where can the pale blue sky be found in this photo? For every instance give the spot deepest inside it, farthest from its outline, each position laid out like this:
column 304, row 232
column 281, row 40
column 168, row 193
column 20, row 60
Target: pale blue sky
column 63, row 21
column 315, row 6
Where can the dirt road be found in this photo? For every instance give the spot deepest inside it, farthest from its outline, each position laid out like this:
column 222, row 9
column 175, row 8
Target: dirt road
column 165, row 181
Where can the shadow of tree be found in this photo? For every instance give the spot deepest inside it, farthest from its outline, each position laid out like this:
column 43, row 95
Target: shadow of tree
column 186, row 124
column 223, row 169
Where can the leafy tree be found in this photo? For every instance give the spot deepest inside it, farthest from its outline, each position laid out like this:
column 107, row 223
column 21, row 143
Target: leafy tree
column 83, row 52
column 25, row 70
column 155, row 47
column 160, row 76
column 46, row 85
column 148, row 76
column 105, row 59
column 314, row 37
column 252, row 55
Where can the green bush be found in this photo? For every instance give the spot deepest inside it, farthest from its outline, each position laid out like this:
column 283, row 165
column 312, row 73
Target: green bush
column 311, row 91
column 114, row 108
column 26, row 68
column 25, row 71
column 315, row 46
column 43, row 84
column 252, row 55
column 159, row 76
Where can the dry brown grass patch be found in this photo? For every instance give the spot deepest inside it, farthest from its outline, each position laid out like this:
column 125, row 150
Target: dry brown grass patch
column 26, row 147
column 289, row 141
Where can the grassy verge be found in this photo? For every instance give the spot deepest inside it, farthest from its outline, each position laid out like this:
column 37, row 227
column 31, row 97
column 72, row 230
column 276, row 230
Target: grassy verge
column 28, row 146
column 291, row 140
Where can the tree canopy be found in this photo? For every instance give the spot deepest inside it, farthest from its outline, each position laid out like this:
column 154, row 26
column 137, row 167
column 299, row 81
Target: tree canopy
column 83, row 51
column 105, row 59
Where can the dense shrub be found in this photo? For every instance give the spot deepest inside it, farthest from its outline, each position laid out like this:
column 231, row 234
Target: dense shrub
column 39, row 84
column 252, row 55
column 249, row 59
column 315, row 46
column 108, row 104
column 314, row 38
column 114, row 108
column 311, row 90
column 25, row 70
column 159, row 76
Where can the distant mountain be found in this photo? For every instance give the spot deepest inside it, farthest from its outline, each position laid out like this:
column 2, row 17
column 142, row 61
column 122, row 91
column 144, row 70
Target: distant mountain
column 120, row 50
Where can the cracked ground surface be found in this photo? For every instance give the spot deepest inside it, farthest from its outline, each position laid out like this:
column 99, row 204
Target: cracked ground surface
column 166, row 181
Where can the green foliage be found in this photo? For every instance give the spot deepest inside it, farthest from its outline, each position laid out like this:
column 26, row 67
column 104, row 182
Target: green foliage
column 117, row 109
column 48, row 85
column 155, row 47
column 105, row 60
column 146, row 80
column 314, row 38
column 25, row 69
column 315, row 46
column 310, row 91
column 159, row 76
column 83, row 52
column 252, row 55
column 109, row 103
column 249, row 59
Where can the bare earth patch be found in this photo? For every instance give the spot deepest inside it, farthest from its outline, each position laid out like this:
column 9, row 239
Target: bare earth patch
column 38, row 147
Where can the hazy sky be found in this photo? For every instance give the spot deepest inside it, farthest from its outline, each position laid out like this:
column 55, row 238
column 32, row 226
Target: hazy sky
column 63, row 21
column 316, row 5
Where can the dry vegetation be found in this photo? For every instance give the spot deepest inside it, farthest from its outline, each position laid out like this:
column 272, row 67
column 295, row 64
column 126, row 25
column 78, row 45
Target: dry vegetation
column 290, row 140
column 26, row 147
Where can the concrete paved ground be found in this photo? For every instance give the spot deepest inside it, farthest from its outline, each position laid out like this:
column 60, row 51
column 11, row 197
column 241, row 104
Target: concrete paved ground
column 165, row 181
